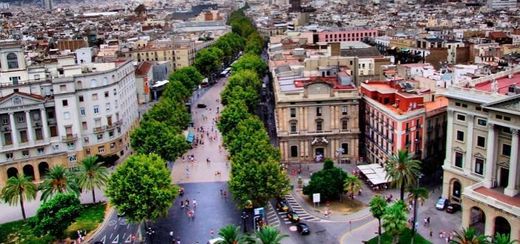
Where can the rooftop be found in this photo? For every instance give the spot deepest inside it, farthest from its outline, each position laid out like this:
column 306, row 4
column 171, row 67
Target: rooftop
column 502, row 84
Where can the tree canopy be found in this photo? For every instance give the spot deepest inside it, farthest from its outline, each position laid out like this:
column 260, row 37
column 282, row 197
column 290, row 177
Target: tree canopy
column 189, row 76
column 55, row 215
column 142, row 188
column 208, row 60
column 328, row 182
column 156, row 137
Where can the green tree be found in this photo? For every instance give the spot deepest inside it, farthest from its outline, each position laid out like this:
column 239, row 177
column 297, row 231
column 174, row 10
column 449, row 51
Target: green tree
column 231, row 115
column 142, row 188
column 17, row 190
column 377, row 208
column 419, row 193
column 269, row 235
column 266, row 178
column 254, row 44
column 394, row 220
column 248, row 95
column 208, row 61
column 55, row 215
column 352, row 185
column 327, row 182
column 189, row 76
column 92, row 175
column 402, row 170
column 328, row 164
column 176, row 91
column 59, row 180
column 170, row 112
column 230, row 234
column 156, row 137
column 503, row 239
column 469, row 236
column 250, row 61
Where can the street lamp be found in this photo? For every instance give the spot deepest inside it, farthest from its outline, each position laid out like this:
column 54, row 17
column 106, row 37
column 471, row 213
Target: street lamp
column 150, row 233
column 244, row 217
column 415, row 206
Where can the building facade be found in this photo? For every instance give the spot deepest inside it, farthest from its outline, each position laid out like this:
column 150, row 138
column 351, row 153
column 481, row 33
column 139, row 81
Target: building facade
column 481, row 168
column 317, row 117
column 356, row 34
column 59, row 113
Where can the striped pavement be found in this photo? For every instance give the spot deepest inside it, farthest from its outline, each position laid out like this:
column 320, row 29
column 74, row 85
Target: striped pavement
column 296, row 207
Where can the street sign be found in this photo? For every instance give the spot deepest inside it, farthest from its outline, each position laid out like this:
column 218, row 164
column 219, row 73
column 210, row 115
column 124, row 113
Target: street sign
column 316, row 198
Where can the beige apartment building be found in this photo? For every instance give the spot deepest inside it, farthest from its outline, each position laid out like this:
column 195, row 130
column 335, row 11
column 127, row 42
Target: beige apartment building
column 317, row 117
column 481, row 168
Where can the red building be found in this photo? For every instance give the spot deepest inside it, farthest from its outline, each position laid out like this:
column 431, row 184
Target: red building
column 396, row 114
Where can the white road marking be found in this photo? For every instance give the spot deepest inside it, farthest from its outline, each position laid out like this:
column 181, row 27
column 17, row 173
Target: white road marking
column 116, row 240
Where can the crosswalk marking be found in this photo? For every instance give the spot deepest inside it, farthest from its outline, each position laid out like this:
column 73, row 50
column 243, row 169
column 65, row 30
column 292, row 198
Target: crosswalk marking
column 272, row 217
column 295, row 206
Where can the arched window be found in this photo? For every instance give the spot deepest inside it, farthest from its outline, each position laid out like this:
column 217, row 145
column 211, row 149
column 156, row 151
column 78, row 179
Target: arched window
column 294, row 151
column 12, row 61
column 93, row 83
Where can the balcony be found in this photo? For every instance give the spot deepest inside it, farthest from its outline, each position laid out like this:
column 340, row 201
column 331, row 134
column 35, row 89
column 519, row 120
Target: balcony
column 69, row 138
column 99, row 129
column 493, row 197
column 114, row 125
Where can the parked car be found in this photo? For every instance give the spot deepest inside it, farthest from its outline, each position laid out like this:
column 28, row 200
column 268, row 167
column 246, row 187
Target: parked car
column 453, row 208
column 303, row 228
column 293, row 217
column 215, row 240
column 282, row 205
column 201, row 105
column 442, row 203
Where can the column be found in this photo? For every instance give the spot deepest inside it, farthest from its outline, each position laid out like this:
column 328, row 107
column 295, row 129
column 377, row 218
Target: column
column 30, row 130
column 468, row 161
column 512, row 189
column 490, row 156
column 449, row 140
column 332, row 118
column 14, row 131
column 45, row 126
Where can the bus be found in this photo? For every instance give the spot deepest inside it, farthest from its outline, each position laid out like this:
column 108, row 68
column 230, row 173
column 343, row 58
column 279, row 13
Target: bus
column 226, row 72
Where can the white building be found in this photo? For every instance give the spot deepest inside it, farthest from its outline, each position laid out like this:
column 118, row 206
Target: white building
column 59, row 113
column 501, row 4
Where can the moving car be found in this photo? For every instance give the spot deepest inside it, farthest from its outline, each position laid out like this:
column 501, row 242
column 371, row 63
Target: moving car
column 442, row 203
column 282, row 205
column 453, row 208
column 293, row 217
column 303, row 228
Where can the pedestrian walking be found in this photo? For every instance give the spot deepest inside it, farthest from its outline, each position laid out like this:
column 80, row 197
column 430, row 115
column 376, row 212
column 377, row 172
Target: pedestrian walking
column 194, row 203
column 211, row 233
column 182, row 204
column 221, row 193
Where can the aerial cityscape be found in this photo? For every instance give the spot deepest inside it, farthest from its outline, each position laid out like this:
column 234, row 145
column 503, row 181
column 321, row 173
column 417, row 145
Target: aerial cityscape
column 260, row 121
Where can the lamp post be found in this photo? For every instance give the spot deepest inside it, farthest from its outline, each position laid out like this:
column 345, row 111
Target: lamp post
column 415, row 207
column 244, row 217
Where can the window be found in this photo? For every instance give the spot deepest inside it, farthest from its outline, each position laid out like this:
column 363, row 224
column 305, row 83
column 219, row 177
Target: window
column 93, row 83
column 80, row 98
column 319, row 125
column 87, row 151
column 94, row 97
column 107, row 105
column 84, row 125
column 65, row 103
column 460, row 136
column 40, row 150
column 9, row 155
column 506, row 150
column 107, row 94
column 70, row 145
column 85, row 139
column 115, row 92
column 344, row 146
column 318, row 111
column 14, row 79
column 293, row 127
column 344, row 124
column 344, row 110
column 12, row 61
column 63, row 88
column 20, row 118
column 112, row 145
column 96, row 109
column 82, row 111
column 481, row 122
column 481, row 141
column 479, row 166
column 461, row 117
column 458, row 159
column 66, row 115
column 100, row 136
column 294, row 151
column 506, row 118
column 293, row 112
column 101, row 149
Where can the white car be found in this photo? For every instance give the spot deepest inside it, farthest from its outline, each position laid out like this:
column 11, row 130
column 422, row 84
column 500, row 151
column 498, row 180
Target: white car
column 215, row 240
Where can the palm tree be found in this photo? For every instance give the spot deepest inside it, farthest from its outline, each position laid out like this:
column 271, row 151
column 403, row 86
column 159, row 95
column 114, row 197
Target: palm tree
column 58, row 179
column 469, row 236
column 394, row 220
column 416, row 195
column 269, row 235
column 92, row 175
column 402, row 170
column 230, row 234
column 503, row 239
column 377, row 208
column 352, row 185
column 17, row 189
